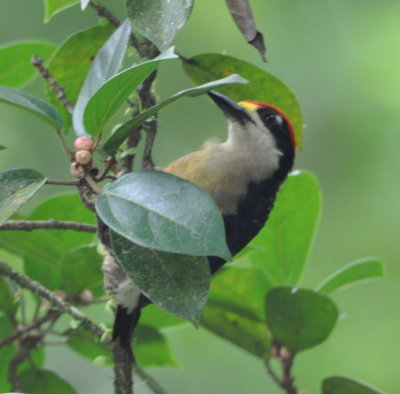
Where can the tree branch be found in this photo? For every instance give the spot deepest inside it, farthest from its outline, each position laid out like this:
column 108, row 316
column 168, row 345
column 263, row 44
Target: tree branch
column 20, row 332
column 55, row 87
column 63, row 182
column 27, row 225
column 58, row 303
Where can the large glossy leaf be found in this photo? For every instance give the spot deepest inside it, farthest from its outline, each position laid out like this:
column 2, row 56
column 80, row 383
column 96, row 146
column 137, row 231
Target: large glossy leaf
column 361, row 270
column 17, row 186
column 159, row 20
column 71, row 62
column 262, row 86
column 299, row 319
column 53, row 7
column 235, row 309
column 80, row 270
column 42, row 250
column 243, row 17
column 115, row 91
column 39, row 381
column 8, row 302
column 164, row 212
column 152, row 349
column 177, row 283
column 118, row 137
column 105, row 65
column 32, row 104
column 341, row 385
column 15, row 62
column 282, row 246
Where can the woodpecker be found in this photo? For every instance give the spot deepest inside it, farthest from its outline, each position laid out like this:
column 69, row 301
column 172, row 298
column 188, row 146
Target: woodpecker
column 242, row 175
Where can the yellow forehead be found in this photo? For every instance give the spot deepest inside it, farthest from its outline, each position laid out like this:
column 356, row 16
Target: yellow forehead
column 248, row 106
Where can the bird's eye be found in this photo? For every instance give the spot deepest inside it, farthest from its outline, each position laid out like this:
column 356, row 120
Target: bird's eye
column 273, row 119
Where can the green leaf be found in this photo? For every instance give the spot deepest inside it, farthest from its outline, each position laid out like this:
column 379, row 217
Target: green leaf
column 177, row 283
column 15, row 62
column 42, row 250
column 115, row 91
column 87, row 345
column 164, row 212
column 80, row 270
column 6, row 353
column 71, row 62
column 118, row 137
column 152, row 349
column 235, row 309
column 2, row 147
column 357, row 271
column 159, row 20
column 263, row 86
column 299, row 318
column 341, row 385
column 105, row 65
column 53, row 7
column 8, row 302
column 32, row 104
column 17, row 186
column 39, row 381
column 282, row 246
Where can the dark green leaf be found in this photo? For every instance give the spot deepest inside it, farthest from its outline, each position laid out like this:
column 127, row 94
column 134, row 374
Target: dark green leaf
column 159, row 20
column 357, row 271
column 2, row 147
column 177, row 283
column 80, row 270
column 243, row 17
column 341, row 385
column 39, row 381
column 118, row 137
column 151, row 348
column 263, row 86
column 105, row 65
column 53, row 7
column 299, row 318
column 17, row 186
column 115, row 91
column 6, row 353
column 32, row 104
column 282, row 246
column 8, row 302
column 84, row 343
column 15, row 62
column 71, row 62
column 235, row 309
column 161, row 211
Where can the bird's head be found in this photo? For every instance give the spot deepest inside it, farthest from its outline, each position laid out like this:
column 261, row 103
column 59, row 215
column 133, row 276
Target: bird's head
column 257, row 121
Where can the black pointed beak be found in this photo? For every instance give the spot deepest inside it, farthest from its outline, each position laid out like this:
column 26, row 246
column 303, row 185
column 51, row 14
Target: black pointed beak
column 231, row 109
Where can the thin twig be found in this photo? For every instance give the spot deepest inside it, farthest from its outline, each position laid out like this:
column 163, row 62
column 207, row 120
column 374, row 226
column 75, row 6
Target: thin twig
column 57, row 302
column 50, row 315
column 64, row 145
column 63, row 182
column 27, row 225
column 148, row 99
column 123, row 369
column 55, row 87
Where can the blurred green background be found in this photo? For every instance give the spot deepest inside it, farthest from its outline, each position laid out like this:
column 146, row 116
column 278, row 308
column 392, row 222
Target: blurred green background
column 342, row 60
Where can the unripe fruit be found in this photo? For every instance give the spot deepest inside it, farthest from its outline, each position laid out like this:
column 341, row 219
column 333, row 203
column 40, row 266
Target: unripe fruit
column 84, row 143
column 83, row 157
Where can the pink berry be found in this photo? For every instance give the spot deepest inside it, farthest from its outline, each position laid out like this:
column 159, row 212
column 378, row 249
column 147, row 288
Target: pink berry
column 83, row 157
column 84, row 143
